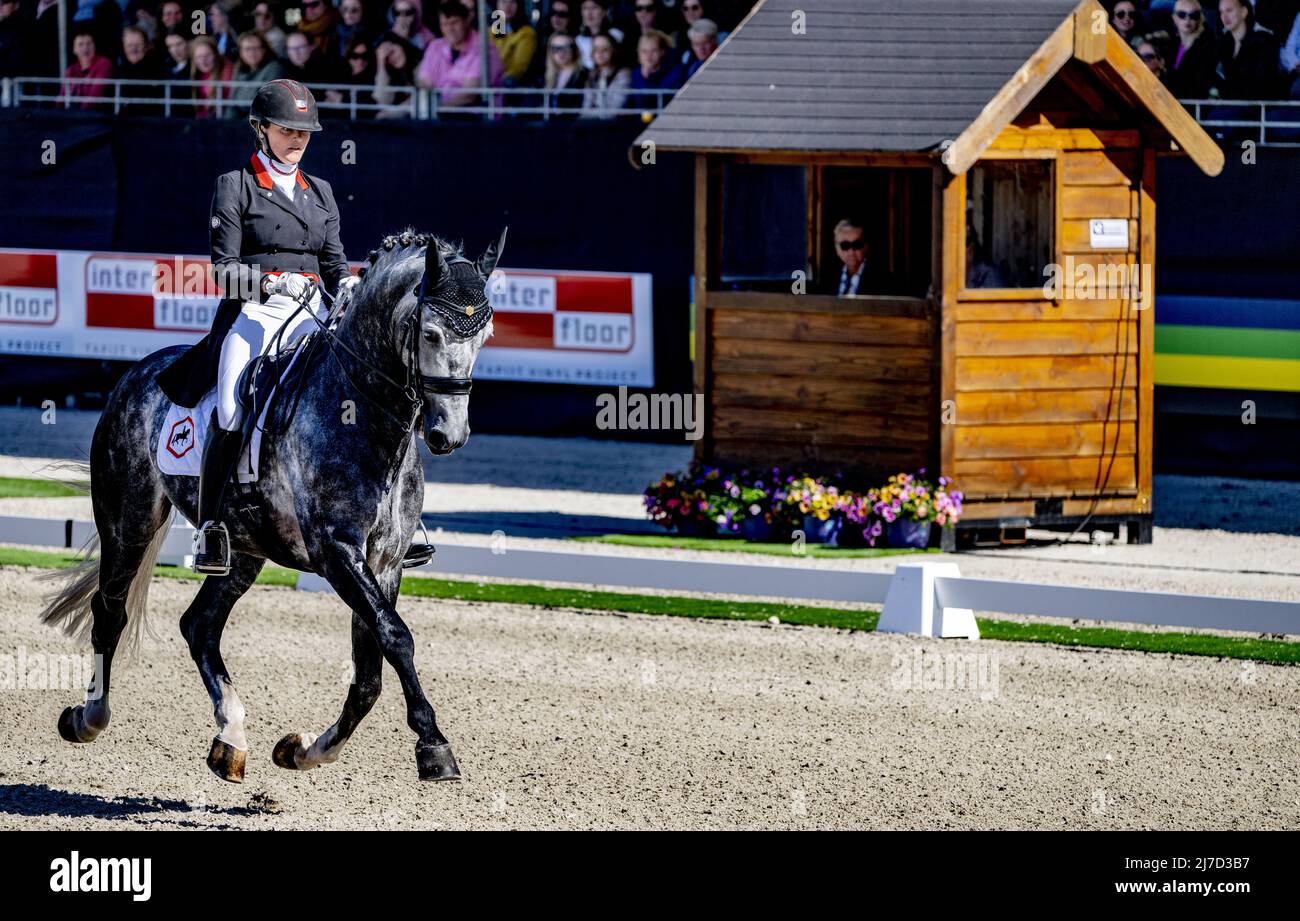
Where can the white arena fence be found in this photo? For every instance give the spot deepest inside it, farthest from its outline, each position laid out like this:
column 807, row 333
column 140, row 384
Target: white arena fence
column 924, row 597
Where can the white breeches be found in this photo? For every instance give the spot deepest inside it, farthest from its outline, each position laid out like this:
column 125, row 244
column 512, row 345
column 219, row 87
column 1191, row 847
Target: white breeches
column 253, row 334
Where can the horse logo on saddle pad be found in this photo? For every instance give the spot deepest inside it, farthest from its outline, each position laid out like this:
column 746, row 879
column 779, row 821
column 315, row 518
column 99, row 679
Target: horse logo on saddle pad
column 180, row 441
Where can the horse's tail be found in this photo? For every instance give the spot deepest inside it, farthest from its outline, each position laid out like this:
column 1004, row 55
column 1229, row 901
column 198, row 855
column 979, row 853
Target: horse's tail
column 69, row 610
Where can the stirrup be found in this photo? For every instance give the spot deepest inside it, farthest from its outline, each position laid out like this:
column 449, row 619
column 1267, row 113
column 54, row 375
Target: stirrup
column 205, row 560
column 419, row 554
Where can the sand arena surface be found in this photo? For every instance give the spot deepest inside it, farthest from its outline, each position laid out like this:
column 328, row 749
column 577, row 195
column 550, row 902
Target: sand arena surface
column 563, row 719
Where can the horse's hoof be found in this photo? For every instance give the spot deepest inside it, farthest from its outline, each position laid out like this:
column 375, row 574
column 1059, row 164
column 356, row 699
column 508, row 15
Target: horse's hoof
column 285, row 749
column 68, row 726
column 436, row 762
column 227, row 762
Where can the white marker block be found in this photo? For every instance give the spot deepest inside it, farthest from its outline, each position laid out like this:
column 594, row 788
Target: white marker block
column 912, row 606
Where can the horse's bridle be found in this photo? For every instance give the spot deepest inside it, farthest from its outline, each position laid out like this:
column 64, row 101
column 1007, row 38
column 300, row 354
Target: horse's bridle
column 418, row 385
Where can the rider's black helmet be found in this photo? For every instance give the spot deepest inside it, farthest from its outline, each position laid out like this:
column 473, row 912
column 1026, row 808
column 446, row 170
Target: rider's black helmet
column 286, row 103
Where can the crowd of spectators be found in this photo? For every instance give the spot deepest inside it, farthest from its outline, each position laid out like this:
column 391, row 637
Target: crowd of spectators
column 1216, row 49
column 603, row 56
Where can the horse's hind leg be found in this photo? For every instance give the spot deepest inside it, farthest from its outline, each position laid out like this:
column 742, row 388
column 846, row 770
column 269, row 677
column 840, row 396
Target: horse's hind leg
column 126, row 560
column 131, row 512
column 201, row 626
column 303, row 751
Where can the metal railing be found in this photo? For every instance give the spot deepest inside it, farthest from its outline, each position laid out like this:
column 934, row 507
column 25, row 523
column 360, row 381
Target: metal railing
column 230, row 99
column 1267, row 122
column 1271, row 123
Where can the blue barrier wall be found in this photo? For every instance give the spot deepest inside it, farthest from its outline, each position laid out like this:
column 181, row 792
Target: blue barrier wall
column 573, row 201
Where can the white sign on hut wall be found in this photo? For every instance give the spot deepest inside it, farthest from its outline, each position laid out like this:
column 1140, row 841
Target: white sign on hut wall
column 1108, row 234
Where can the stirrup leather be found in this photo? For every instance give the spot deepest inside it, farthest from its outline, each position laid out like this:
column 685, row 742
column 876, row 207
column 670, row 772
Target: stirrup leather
column 214, row 561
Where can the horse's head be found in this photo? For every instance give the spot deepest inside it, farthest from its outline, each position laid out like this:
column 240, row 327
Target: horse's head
column 419, row 318
column 451, row 321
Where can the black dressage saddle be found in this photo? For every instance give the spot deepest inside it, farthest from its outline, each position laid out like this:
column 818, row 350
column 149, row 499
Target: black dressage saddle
column 263, row 380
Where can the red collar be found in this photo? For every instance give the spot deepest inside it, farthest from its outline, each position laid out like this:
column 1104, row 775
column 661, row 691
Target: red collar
column 264, row 176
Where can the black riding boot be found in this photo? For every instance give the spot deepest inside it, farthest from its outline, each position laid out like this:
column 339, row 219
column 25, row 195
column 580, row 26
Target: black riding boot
column 211, row 540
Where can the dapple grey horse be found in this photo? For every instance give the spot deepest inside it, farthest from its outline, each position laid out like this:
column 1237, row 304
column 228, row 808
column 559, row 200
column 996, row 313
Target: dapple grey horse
column 338, row 493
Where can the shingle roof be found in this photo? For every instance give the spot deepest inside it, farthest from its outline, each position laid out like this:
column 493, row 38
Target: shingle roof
column 889, row 75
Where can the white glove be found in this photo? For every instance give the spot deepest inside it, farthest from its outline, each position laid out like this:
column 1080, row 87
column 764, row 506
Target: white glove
column 290, row 284
column 348, row 283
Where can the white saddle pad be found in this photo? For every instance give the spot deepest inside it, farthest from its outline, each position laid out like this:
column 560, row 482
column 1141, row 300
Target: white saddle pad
column 180, row 443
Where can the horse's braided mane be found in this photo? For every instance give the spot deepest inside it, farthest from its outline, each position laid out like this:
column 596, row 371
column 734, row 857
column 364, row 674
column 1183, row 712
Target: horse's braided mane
column 395, row 247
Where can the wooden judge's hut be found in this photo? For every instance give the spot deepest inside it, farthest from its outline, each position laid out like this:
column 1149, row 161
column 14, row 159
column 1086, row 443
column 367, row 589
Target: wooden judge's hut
column 999, row 158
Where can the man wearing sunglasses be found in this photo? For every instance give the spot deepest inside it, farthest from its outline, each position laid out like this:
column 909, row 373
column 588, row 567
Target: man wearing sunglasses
column 851, row 247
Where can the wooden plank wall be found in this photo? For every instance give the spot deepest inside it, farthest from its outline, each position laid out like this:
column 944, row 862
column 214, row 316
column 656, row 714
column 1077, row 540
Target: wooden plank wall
column 826, row 390
column 1039, row 404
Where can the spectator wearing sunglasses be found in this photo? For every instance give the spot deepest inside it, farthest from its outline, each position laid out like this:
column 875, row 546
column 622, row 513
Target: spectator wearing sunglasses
column 851, row 247
column 858, row 275
column 1153, row 50
column 405, row 23
column 564, row 72
column 1191, row 69
column 692, row 12
column 651, row 16
column 1248, row 56
column 561, row 17
column 359, row 64
column 595, row 21
column 1124, row 20
column 318, row 23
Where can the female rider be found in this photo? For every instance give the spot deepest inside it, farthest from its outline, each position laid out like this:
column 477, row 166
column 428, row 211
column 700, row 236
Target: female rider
column 275, row 239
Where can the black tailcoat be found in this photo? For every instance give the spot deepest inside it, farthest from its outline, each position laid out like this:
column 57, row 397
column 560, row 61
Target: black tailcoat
column 255, row 229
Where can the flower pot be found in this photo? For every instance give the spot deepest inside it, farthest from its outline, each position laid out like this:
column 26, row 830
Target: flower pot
column 852, row 534
column 759, row 530
column 914, row 534
column 816, row 531
column 694, row 527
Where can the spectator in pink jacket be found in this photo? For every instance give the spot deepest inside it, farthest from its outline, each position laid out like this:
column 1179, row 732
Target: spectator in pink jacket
column 451, row 63
column 88, row 66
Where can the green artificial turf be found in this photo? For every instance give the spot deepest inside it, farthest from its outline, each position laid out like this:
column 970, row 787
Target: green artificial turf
column 12, row 487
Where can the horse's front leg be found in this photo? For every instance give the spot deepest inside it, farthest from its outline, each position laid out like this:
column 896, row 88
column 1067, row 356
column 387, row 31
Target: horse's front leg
column 346, row 569
column 304, row 751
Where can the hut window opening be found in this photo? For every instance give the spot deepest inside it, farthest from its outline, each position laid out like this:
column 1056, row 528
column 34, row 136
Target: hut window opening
column 1009, row 224
column 888, row 209
column 764, row 226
